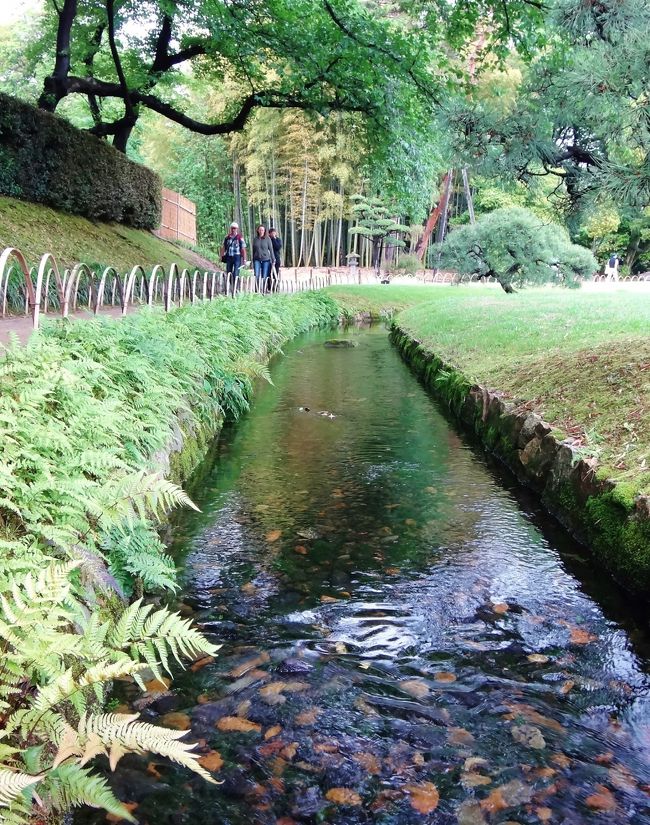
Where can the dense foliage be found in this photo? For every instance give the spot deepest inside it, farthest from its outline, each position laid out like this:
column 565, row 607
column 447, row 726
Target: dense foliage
column 45, row 159
column 516, row 248
column 88, row 413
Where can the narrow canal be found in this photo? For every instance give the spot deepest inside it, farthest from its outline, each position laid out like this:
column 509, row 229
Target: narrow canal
column 406, row 638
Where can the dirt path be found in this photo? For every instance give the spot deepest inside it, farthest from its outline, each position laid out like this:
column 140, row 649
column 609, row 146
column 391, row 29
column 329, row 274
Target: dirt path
column 21, row 325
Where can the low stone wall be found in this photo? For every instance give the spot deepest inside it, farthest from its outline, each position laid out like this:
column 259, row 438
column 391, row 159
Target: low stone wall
column 606, row 516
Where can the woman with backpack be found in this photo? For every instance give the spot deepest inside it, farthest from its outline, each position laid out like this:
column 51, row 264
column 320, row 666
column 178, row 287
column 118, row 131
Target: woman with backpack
column 233, row 254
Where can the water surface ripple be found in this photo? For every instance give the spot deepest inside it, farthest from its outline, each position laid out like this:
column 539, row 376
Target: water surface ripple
column 398, row 621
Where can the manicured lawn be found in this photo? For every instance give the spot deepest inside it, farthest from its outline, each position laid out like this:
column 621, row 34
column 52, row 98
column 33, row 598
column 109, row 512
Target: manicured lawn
column 581, row 358
column 381, row 298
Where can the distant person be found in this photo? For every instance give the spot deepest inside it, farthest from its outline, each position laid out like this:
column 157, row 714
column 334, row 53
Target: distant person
column 276, row 240
column 233, row 253
column 263, row 257
column 611, row 270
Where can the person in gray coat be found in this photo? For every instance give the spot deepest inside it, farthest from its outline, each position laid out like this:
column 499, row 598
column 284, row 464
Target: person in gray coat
column 263, row 256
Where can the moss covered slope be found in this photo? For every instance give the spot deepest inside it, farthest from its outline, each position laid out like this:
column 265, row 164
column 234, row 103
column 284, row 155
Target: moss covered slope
column 35, row 229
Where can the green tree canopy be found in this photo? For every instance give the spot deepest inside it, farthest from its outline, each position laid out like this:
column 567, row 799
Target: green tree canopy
column 516, row 248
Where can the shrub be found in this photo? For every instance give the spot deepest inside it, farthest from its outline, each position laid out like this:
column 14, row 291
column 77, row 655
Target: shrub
column 516, row 248
column 45, row 159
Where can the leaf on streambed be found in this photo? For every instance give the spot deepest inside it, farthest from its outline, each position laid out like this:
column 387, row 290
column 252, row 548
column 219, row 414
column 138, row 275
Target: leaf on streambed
column 369, row 762
column 410, row 522
column 249, row 664
column 300, row 549
column 544, row 814
column 201, row 663
column 284, row 687
column 274, row 730
column 444, row 676
column 470, row 813
column 510, row 795
column 431, row 490
column 567, row 687
column 500, row 607
column 529, row 713
column 289, row 751
column 529, row 736
column 474, row 780
column 339, row 647
column 248, row 589
column 602, row 799
column 459, row 737
column 392, row 571
column 343, row 796
column 307, row 717
column 178, row 721
column 328, row 599
column 273, row 535
column 578, row 635
column 235, row 724
column 158, row 685
column 212, row 761
column 561, row 760
column 243, row 708
column 417, row 688
column 130, row 807
column 537, row 658
column 622, row 778
column 424, row 797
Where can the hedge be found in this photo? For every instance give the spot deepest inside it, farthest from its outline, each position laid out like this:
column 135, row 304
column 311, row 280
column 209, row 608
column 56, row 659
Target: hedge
column 45, row 159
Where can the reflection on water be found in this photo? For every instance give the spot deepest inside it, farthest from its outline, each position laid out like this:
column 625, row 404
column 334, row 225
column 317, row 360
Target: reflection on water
column 397, row 627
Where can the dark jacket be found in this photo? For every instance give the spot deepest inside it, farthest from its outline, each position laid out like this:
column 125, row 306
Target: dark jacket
column 277, row 246
column 263, row 249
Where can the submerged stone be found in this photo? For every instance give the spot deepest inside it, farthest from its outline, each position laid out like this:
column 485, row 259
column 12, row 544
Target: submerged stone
column 341, row 343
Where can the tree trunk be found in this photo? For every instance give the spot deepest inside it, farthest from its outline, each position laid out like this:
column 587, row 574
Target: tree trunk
column 54, row 85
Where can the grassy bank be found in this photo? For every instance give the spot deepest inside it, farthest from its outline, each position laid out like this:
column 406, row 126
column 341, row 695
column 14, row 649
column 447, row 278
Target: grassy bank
column 90, row 412
column 380, row 299
column 581, row 359
column 35, row 229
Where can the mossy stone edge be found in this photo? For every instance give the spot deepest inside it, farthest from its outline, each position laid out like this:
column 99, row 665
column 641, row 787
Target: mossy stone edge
column 609, row 517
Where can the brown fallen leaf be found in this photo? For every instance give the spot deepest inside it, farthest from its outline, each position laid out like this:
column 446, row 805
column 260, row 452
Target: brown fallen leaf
column 203, row 699
column 152, row 770
column 130, row 807
column 307, row 717
column 561, row 760
column 460, row 737
column 212, row 761
column 392, row 571
column 328, row 599
column 582, row 637
column 537, row 658
column 273, row 535
column 234, row 724
column 283, row 687
column 423, row 797
column 201, row 663
column 248, row 589
column 249, row 664
column 417, row 688
column 531, row 715
column 544, row 814
column 243, row 708
column 529, row 736
column 176, row 720
column 158, row 685
column 622, row 778
column 289, row 751
column 300, row 549
column 500, row 607
column 343, row 796
column 602, row 799
column 567, row 687
column 369, row 762
column 444, row 676
column 274, row 730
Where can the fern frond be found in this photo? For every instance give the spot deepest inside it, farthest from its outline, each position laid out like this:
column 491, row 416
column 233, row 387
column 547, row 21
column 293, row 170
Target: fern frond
column 121, row 733
column 13, row 783
column 71, row 785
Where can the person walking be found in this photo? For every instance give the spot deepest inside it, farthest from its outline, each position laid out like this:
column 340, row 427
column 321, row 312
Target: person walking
column 233, row 254
column 612, row 267
column 263, row 257
column 277, row 248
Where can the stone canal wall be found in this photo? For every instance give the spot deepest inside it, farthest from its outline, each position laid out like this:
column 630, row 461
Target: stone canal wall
column 607, row 516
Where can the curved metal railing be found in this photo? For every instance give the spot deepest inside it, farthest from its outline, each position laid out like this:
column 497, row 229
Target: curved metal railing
column 46, row 288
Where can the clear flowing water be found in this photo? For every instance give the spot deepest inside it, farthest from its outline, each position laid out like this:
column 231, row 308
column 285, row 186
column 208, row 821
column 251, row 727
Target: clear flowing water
column 406, row 638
